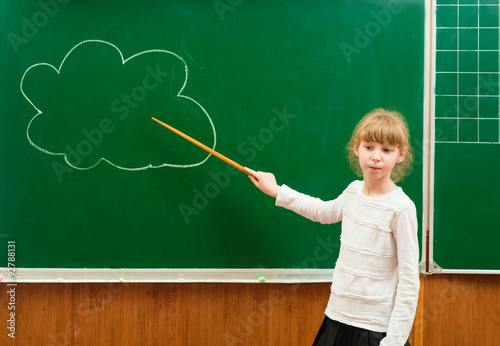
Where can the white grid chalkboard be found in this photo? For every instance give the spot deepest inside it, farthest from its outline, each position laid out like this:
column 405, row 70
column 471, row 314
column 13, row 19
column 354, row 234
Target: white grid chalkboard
column 467, row 72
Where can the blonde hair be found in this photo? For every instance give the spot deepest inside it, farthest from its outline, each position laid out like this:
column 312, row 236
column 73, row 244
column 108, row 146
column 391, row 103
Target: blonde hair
column 382, row 126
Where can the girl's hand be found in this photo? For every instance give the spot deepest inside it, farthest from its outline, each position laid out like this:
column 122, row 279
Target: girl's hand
column 265, row 182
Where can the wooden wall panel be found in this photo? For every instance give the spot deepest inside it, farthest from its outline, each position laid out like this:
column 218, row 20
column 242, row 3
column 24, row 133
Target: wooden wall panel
column 166, row 314
column 461, row 310
column 453, row 310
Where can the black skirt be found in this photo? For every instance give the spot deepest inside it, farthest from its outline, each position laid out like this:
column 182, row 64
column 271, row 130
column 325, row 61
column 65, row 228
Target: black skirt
column 333, row 333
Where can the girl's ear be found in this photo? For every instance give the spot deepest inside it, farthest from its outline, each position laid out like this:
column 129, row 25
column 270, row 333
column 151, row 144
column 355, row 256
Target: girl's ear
column 402, row 154
column 355, row 147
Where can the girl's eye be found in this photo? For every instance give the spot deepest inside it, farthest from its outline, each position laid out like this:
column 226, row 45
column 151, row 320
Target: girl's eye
column 387, row 150
column 368, row 147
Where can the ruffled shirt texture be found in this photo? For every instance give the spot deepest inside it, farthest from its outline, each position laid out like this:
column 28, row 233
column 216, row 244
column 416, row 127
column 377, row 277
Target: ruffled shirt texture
column 375, row 281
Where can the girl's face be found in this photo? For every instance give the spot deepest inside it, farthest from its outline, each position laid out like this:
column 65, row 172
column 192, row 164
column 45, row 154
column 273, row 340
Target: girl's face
column 378, row 159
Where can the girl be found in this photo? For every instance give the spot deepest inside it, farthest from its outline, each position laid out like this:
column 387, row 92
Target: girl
column 375, row 284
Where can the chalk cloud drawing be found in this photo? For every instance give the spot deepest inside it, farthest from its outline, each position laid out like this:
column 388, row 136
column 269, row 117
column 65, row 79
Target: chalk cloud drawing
column 97, row 106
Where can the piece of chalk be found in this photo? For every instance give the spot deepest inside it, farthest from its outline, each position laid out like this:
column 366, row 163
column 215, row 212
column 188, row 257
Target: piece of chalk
column 121, row 279
column 262, row 278
column 1, row 277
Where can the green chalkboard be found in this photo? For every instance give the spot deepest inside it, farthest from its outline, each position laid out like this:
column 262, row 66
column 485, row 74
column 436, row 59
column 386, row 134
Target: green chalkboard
column 467, row 148
column 466, row 204
column 90, row 181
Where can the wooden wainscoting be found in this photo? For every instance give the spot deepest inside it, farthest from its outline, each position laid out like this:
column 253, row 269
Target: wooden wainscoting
column 166, row 314
column 453, row 310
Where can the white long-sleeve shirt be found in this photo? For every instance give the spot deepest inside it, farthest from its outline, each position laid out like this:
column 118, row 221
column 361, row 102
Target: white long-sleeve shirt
column 375, row 281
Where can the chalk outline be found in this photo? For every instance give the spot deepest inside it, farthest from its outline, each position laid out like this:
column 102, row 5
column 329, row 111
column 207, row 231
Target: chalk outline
column 123, row 63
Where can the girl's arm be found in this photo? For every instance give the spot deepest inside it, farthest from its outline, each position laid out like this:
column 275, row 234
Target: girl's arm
column 312, row 208
column 402, row 317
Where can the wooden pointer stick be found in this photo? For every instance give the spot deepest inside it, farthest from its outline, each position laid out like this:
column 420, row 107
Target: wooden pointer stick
column 203, row 146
